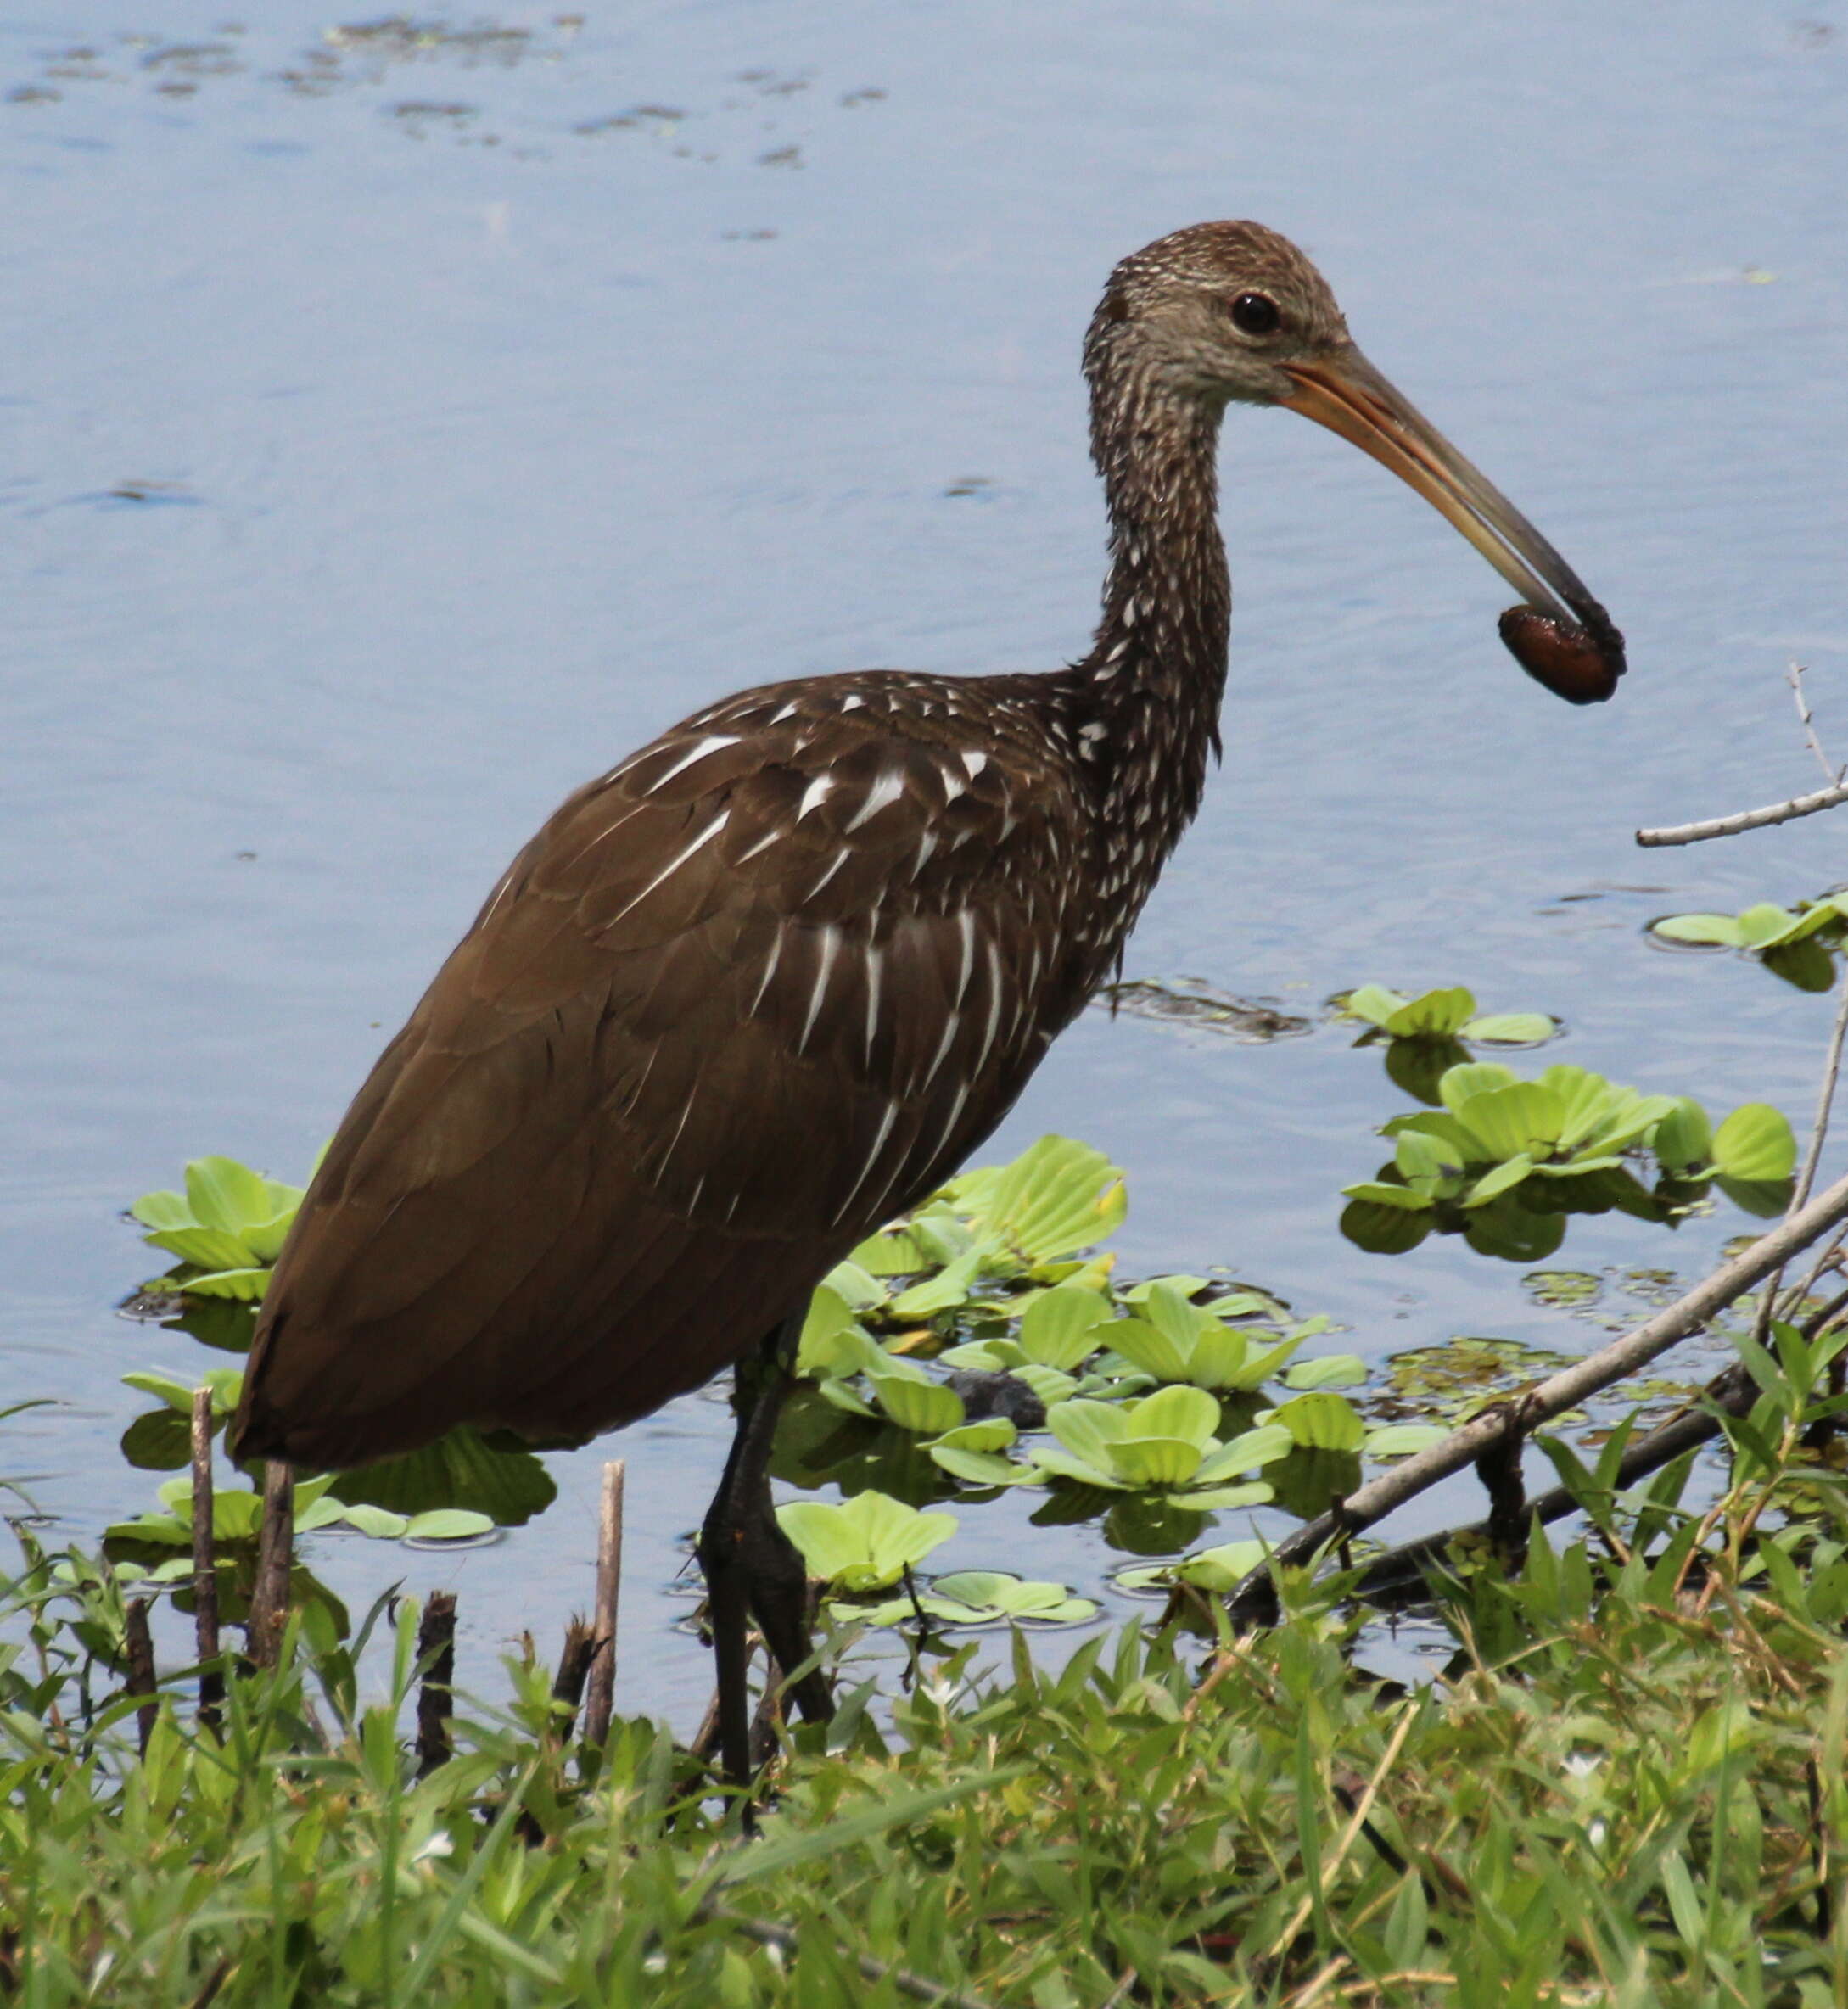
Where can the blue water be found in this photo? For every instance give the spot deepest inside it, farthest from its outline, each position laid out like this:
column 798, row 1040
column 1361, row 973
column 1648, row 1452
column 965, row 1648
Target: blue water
column 373, row 475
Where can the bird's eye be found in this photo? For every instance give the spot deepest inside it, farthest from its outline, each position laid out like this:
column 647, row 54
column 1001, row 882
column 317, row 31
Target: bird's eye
column 1254, row 314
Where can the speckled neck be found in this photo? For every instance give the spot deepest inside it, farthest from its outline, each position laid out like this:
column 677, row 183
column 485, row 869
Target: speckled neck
column 1146, row 696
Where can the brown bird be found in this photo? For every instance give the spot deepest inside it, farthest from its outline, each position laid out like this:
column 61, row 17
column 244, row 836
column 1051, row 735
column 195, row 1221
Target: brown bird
column 766, row 982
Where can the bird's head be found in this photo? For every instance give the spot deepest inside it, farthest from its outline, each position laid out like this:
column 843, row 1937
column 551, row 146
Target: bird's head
column 1226, row 313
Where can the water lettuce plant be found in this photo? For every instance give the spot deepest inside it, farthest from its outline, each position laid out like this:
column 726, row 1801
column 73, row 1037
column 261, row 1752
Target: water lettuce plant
column 1500, row 1139
column 1162, row 1443
column 1795, row 944
column 227, row 1229
column 1424, row 1035
column 237, row 1516
column 867, row 1543
column 1445, row 1014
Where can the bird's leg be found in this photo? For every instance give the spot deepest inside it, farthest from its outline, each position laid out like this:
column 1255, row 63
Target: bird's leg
column 751, row 1568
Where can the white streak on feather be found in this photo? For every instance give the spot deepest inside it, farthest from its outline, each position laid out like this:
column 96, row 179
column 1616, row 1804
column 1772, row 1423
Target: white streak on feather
column 965, row 931
column 815, row 794
column 764, row 843
column 834, row 865
column 994, row 1011
column 830, row 948
column 661, row 1164
column 668, row 870
column 974, row 763
column 950, row 1027
column 872, row 1157
column 770, row 971
column 876, row 963
column 885, row 790
column 711, row 743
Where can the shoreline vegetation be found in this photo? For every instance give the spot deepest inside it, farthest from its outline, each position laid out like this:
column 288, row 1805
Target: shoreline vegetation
column 1625, row 1784
column 1626, row 1787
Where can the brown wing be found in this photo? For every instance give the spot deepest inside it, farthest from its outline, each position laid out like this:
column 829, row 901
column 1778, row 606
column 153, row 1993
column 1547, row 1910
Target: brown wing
column 739, row 1001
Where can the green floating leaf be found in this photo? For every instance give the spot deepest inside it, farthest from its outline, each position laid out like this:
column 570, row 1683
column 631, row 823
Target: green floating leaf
column 246, row 1285
column 223, row 1193
column 1372, row 1002
column 1435, row 1014
column 1328, row 1370
column 832, row 1343
column 1521, row 1116
column 1219, row 1570
column 976, row 1467
column 1379, row 1194
column 925, row 1406
column 976, row 1598
column 1755, row 1142
column 1683, row 1138
column 1399, row 1440
column 204, row 1248
column 1063, row 1326
column 1322, row 1421
column 944, row 1292
column 498, row 1477
column 447, row 1524
column 866, row 1542
column 176, row 1395
column 1057, row 1197
column 1510, row 1028
column 1705, row 931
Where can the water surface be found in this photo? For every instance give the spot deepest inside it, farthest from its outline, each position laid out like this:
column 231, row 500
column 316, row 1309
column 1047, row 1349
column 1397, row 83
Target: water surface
column 400, row 427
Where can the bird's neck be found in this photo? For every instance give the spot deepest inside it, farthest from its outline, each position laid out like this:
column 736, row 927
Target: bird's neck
column 1145, row 699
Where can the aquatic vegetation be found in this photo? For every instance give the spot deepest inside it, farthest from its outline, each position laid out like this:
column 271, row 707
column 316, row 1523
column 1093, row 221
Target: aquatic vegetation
column 1795, row 944
column 1561, row 1143
column 1445, row 1014
column 866, row 1543
column 227, row 1229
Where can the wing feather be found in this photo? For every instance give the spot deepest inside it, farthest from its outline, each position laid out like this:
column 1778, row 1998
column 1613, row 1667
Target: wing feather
column 758, row 988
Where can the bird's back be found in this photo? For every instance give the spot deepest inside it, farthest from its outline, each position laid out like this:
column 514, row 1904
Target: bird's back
column 742, row 999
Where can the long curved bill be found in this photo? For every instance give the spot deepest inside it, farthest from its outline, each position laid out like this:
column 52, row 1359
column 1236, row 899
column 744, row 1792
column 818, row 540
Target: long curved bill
column 1344, row 392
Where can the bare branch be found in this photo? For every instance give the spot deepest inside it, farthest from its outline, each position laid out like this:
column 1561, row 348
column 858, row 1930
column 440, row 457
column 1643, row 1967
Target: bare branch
column 1730, row 826
column 1547, row 1399
column 1794, row 677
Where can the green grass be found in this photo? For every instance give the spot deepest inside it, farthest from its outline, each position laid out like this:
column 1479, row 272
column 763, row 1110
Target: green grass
column 1628, row 1788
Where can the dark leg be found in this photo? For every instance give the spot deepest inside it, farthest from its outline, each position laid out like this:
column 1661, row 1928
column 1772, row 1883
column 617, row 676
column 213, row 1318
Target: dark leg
column 751, row 1568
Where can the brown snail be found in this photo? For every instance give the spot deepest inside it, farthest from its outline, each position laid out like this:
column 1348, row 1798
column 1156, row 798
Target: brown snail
column 1581, row 664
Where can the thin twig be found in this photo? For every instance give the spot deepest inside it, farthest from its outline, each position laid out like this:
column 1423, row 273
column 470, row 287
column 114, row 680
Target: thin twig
column 600, row 1697
column 1730, row 826
column 141, row 1666
column 916, row 1986
column 211, row 1679
column 1547, row 1399
column 1825, row 1098
column 276, row 1544
column 436, row 1655
column 1794, row 677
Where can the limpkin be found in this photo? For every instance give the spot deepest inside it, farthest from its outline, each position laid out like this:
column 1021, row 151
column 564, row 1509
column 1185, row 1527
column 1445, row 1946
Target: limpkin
column 764, row 984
